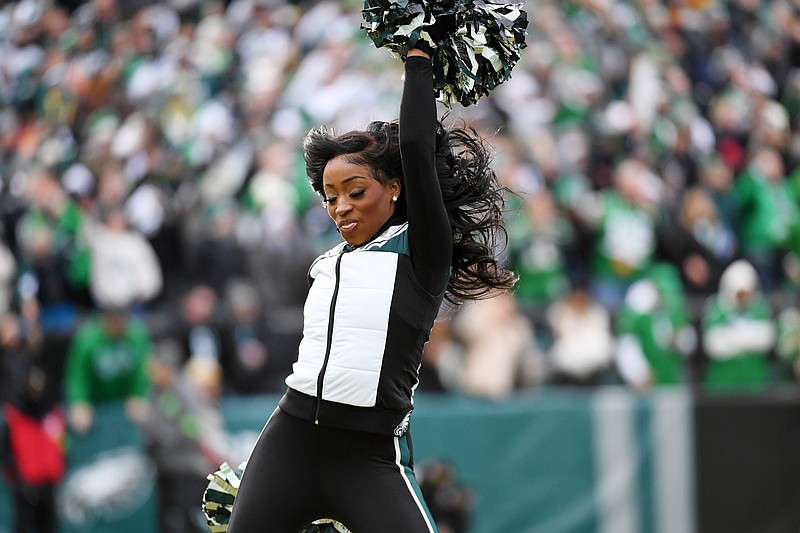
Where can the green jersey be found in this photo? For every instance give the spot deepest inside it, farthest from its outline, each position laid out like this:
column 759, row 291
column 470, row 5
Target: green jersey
column 737, row 343
column 655, row 331
column 103, row 368
column 626, row 240
column 768, row 211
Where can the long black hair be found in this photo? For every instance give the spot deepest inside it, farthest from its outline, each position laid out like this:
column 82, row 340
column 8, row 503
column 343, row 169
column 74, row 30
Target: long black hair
column 473, row 196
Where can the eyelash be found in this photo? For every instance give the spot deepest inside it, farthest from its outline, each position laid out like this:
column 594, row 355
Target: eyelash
column 353, row 194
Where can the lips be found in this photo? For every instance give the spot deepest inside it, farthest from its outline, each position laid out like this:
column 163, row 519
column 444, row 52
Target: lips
column 347, row 225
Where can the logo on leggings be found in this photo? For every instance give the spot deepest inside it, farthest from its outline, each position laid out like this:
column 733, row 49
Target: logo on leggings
column 402, row 427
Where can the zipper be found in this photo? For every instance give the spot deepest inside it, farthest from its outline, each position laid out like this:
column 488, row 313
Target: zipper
column 331, row 312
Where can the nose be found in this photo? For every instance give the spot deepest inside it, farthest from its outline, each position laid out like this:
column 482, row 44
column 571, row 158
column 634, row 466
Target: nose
column 342, row 206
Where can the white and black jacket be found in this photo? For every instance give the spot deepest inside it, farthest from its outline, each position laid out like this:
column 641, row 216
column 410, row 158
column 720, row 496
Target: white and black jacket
column 370, row 308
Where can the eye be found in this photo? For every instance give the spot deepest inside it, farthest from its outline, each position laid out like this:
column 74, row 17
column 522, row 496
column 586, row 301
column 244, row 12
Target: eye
column 356, row 193
column 329, row 200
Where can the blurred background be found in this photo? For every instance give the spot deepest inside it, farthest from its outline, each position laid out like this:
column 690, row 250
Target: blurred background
column 157, row 227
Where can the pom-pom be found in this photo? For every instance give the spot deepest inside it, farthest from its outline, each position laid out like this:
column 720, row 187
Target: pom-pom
column 475, row 43
column 218, row 498
column 326, row 525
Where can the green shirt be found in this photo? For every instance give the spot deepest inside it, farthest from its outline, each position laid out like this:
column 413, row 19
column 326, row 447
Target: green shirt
column 655, row 332
column 768, row 211
column 536, row 254
column 102, row 368
column 626, row 240
column 745, row 369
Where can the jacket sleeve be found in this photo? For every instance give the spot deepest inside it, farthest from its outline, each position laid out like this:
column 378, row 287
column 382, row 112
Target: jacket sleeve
column 430, row 235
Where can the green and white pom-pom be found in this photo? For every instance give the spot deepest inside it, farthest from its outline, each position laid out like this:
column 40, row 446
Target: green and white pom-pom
column 326, row 525
column 218, row 498
column 471, row 59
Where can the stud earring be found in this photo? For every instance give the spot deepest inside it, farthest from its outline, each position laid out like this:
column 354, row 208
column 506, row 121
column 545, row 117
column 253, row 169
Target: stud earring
column 394, row 198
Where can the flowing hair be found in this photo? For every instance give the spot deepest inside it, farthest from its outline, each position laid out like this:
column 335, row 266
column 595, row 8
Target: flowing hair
column 473, row 196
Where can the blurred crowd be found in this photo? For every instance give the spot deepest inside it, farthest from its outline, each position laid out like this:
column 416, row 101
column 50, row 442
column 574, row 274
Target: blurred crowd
column 157, row 223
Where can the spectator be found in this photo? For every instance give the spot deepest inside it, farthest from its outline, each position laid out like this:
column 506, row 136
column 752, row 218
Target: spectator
column 442, row 367
column 212, row 253
column 183, row 434
column 716, row 178
column 698, row 241
column 624, row 220
column 32, row 449
column 788, row 344
column 252, row 368
column 791, row 262
column 738, row 332
column 124, row 268
column 580, row 352
column 767, row 214
column 106, row 362
column 198, row 331
column 499, row 354
column 53, row 267
column 451, row 502
column 654, row 334
column 539, row 237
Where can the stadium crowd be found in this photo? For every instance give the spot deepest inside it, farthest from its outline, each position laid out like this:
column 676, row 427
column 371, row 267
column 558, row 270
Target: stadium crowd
column 150, row 163
column 154, row 202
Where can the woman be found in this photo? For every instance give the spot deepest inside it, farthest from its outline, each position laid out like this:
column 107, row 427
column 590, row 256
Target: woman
column 338, row 445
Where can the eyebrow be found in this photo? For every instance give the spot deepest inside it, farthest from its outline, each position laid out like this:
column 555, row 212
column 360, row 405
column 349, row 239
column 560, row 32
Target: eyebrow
column 345, row 181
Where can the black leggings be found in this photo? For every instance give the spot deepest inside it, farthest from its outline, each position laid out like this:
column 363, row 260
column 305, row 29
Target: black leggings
column 299, row 472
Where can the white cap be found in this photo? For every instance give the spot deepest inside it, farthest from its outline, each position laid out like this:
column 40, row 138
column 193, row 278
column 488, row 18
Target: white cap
column 739, row 276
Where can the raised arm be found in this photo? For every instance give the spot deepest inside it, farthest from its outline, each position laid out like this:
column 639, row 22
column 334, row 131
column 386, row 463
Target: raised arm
column 430, row 236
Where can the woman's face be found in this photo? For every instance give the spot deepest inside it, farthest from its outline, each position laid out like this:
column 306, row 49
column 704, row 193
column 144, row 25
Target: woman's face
column 357, row 202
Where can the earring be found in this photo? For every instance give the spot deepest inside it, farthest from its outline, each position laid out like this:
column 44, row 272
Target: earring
column 394, row 198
